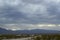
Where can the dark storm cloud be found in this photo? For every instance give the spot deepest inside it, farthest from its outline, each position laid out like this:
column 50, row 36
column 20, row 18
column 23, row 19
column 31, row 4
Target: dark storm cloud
column 27, row 12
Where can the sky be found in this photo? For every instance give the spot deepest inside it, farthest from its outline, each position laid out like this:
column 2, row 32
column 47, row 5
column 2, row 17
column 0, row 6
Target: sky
column 30, row 14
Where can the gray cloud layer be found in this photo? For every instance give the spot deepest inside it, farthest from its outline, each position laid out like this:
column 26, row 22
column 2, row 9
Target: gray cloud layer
column 26, row 13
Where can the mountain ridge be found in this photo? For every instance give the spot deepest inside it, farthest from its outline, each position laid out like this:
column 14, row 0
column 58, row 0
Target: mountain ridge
column 33, row 31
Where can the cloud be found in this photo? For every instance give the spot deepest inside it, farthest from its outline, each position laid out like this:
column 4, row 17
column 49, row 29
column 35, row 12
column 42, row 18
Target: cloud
column 26, row 14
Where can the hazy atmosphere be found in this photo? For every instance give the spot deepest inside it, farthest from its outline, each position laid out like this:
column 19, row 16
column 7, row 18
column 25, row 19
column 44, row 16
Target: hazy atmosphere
column 30, row 14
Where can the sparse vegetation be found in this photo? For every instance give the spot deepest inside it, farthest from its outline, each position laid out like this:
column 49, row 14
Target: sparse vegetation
column 47, row 37
column 34, row 37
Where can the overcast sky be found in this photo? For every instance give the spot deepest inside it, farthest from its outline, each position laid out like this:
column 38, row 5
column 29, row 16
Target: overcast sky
column 30, row 14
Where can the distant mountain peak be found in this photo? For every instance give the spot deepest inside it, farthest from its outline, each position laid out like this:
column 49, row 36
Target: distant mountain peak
column 34, row 31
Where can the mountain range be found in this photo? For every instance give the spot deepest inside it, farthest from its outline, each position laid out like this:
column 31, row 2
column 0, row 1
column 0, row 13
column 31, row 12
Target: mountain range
column 34, row 31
